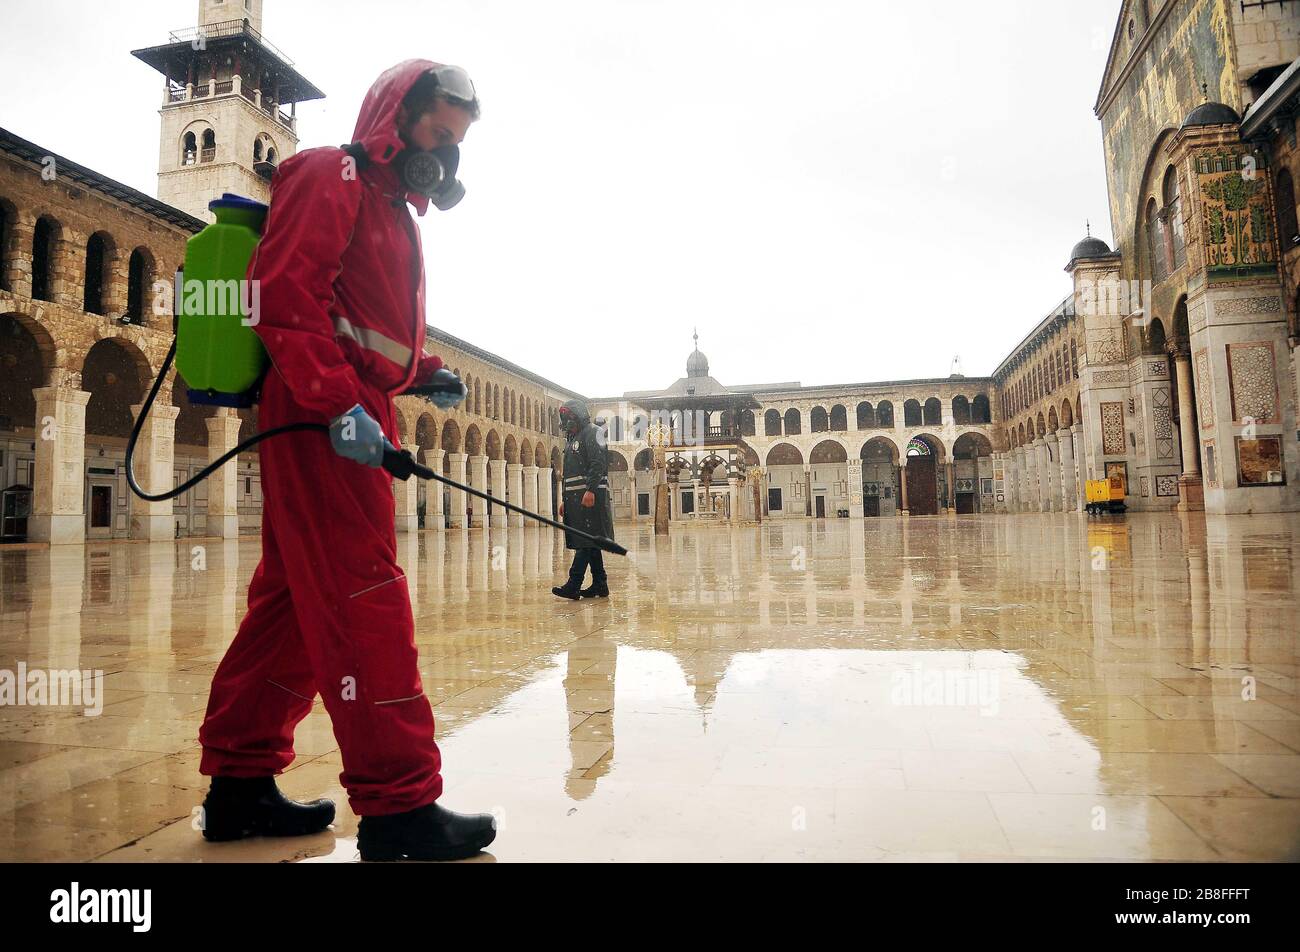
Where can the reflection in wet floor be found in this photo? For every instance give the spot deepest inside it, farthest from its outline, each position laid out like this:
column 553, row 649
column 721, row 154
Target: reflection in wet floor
column 1033, row 686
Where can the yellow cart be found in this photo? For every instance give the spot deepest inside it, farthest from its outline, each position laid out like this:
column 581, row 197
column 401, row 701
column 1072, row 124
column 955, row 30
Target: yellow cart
column 1105, row 495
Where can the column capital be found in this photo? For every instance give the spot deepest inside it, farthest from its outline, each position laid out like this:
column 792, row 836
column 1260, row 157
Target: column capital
column 62, row 394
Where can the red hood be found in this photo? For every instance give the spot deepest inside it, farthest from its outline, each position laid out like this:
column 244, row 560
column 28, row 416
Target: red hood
column 377, row 121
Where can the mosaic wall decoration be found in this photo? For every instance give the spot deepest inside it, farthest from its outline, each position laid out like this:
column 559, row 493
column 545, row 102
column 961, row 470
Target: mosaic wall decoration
column 1237, row 219
column 1120, row 470
column 1253, row 382
column 1112, row 428
column 1162, row 422
column 1211, row 464
column 1105, row 346
column 1145, row 483
column 1244, row 307
column 1158, row 368
column 1167, row 485
column 1102, row 377
column 1202, row 384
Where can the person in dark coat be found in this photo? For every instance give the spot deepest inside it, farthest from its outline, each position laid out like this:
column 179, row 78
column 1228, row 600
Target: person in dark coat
column 585, row 503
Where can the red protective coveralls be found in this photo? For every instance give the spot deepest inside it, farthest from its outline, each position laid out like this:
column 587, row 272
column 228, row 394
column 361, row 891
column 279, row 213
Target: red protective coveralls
column 342, row 312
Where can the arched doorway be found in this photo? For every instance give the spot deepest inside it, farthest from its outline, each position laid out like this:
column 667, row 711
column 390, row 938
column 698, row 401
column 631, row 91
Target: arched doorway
column 921, row 476
column 972, row 469
column 879, row 477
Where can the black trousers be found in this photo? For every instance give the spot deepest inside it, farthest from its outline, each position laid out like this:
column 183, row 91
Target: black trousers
column 582, row 558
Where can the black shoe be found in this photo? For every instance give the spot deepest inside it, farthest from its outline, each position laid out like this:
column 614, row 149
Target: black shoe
column 425, row 833
column 239, row 807
column 596, row 590
column 567, row 590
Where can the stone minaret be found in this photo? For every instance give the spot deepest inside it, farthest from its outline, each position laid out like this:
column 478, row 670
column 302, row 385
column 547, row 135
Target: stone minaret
column 229, row 107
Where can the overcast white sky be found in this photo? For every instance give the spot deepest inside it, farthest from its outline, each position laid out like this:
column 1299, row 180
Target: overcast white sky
column 832, row 191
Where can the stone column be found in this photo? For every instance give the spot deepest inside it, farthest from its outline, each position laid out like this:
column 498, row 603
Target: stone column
column 155, row 472
column 1033, row 493
column 478, row 466
column 223, row 485
column 434, row 517
column 1191, row 490
column 1069, row 491
column 406, row 516
column 515, row 490
column 456, row 500
column 59, row 490
column 530, row 491
column 545, row 478
column 950, row 485
column 497, row 487
column 734, row 497
column 902, row 488
column 1052, row 472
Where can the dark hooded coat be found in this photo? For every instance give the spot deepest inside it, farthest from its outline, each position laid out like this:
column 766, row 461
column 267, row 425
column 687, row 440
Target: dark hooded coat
column 586, row 467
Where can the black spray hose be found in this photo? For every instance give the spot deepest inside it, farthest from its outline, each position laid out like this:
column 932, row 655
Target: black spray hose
column 399, row 463
column 403, row 465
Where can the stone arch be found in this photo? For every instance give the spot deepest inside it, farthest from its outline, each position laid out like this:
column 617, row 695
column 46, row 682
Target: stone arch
column 783, row 454
column 50, row 355
column 1051, row 420
column 819, row 420
column 525, row 451
column 879, row 448
column 26, row 359
column 980, row 411
column 557, row 459
column 473, row 440
column 839, row 419
column 970, row 445
column 961, row 410
column 493, row 446
column 117, row 374
column 617, row 462
column 47, row 242
column 912, row 412
column 644, row 461
column 100, row 257
column 932, row 442
column 866, row 416
column 1041, row 425
column 828, row 451
column 885, row 414
column 426, row 435
column 511, row 449
column 932, row 412
column 450, row 442
column 1067, row 414
column 141, row 268
column 772, row 423
column 8, row 241
column 793, row 422
column 539, row 455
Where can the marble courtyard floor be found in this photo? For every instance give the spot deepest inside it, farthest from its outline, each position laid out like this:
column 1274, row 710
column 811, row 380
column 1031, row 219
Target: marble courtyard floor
column 1000, row 687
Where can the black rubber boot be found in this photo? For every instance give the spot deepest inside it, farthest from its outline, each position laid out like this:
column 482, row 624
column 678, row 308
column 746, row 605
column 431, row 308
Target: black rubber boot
column 239, row 807
column 425, row 833
column 567, row 590
column 596, row 590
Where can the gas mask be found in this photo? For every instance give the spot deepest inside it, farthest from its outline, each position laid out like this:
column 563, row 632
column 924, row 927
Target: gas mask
column 432, row 174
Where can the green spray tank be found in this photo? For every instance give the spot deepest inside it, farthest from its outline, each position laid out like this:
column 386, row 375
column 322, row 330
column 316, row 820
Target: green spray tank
column 218, row 353
column 222, row 360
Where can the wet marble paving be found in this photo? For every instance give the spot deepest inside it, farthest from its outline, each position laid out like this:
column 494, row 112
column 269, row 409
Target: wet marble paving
column 941, row 688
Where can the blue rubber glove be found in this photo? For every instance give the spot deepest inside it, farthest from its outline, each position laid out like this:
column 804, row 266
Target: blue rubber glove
column 453, row 392
column 357, row 436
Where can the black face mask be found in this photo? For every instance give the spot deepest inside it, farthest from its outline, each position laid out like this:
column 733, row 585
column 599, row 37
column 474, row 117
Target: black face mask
column 432, row 174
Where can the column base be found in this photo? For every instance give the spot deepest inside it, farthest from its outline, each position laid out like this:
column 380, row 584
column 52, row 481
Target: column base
column 1191, row 494
column 57, row 530
column 153, row 528
column 222, row 527
column 456, row 522
column 407, row 523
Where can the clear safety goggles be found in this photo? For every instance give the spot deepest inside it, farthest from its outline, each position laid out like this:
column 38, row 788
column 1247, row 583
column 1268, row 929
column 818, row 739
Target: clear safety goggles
column 456, row 84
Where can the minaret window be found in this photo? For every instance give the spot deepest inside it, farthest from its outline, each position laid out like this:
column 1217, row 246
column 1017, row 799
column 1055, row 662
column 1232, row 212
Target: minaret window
column 189, row 149
column 257, row 151
column 209, row 151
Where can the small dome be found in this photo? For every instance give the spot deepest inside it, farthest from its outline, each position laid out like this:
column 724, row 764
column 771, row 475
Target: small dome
column 697, row 365
column 1090, row 247
column 1212, row 114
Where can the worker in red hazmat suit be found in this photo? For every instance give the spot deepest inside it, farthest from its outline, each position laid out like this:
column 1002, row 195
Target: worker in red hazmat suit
column 342, row 316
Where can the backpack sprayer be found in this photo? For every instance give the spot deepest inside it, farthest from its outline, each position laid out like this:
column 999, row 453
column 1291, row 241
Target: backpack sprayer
column 223, row 361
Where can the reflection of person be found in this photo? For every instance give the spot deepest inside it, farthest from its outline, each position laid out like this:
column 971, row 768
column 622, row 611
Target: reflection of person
column 342, row 293
column 585, row 504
